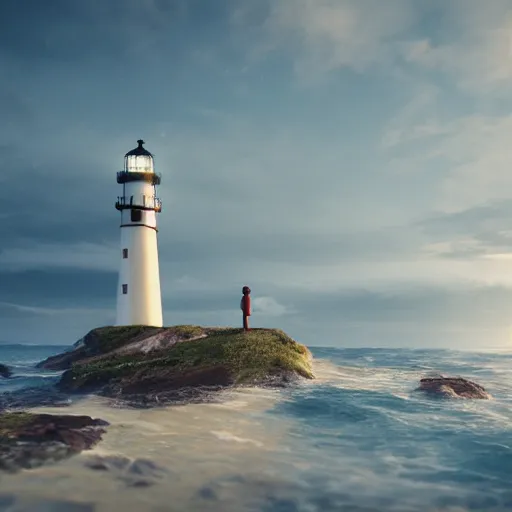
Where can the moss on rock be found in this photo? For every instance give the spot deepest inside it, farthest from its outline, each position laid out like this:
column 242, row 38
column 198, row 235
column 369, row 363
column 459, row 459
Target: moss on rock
column 13, row 422
column 29, row 440
column 188, row 331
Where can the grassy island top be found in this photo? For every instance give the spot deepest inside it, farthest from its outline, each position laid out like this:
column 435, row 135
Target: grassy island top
column 118, row 353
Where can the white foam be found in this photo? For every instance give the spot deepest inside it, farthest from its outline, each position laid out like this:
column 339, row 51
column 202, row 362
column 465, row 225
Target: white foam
column 228, row 436
column 37, row 375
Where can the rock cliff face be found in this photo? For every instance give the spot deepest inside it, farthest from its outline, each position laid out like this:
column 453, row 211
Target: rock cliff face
column 158, row 365
column 454, row 387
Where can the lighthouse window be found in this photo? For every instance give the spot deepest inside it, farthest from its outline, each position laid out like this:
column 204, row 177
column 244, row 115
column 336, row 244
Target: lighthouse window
column 125, row 253
column 136, row 215
column 125, row 289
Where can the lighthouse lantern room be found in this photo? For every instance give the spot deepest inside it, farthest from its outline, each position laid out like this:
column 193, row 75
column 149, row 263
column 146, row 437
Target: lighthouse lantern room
column 139, row 300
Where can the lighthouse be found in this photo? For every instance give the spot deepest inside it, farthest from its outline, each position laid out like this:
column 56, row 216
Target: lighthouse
column 139, row 300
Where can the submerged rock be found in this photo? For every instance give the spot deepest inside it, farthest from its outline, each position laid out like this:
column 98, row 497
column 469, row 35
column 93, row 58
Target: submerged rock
column 5, row 371
column 133, row 472
column 46, row 395
column 150, row 366
column 30, row 440
column 455, row 387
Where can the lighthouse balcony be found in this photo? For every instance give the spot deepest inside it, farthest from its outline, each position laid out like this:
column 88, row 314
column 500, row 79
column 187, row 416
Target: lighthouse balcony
column 139, row 203
column 149, row 177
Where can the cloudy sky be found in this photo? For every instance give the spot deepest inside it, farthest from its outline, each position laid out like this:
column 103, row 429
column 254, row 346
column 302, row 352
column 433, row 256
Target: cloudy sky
column 350, row 160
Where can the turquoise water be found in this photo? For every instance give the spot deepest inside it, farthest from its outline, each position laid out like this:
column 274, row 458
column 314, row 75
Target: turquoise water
column 358, row 438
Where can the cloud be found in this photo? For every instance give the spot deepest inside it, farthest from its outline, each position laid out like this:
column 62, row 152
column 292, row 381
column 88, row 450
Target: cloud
column 479, row 149
column 476, row 50
column 471, row 44
column 59, row 287
column 326, row 35
column 452, row 130
column 473, row 152
column 268, row 306
column 39, row 325
column 482, row 231
column 416, row 120
column 23, row 310
column 492, row 216
column 84, row 255
column 15, row 309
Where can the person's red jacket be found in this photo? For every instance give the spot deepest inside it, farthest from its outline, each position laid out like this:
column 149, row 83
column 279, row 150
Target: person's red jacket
column 246, row 305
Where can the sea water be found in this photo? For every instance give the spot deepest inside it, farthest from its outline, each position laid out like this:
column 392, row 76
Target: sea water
column 357, row 438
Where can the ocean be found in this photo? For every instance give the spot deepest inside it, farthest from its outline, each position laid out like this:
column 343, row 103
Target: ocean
column 358, row 438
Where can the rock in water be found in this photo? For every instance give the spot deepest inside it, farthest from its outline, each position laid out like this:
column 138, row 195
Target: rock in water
column 5, row 371
column 134, row 473
column 155, row 366
column 30, row 440
column 46, row 395
column 455, row 387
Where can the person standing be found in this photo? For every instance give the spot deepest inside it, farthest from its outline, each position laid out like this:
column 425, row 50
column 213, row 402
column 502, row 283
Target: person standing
column 245, row 306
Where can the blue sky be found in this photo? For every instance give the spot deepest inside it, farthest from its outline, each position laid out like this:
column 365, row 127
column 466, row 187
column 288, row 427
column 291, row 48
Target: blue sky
column 349, row 160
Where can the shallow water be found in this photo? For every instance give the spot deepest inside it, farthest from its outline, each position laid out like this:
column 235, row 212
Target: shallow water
column 357, row 438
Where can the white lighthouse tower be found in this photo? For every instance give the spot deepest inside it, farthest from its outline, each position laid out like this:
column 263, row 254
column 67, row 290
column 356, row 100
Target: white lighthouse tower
column 139, row 301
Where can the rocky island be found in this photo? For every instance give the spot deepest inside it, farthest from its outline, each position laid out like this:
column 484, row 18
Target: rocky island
column 150, row 365
column 452, row 387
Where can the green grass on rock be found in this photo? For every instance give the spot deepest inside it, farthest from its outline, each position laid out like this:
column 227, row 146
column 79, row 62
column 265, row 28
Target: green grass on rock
column 11, row 422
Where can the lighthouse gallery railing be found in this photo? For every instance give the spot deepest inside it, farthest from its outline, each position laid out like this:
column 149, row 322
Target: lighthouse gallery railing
column 139, row 202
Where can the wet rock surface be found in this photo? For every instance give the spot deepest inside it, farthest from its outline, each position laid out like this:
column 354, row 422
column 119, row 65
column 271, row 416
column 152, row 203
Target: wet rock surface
column 5, row 371
column 132, row 472
column 47, row 396
column 453, row 387
column 31, row 440
column 198, row 395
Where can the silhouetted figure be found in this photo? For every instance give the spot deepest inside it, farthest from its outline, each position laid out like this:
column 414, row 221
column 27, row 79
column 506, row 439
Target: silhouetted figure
column 245, row 306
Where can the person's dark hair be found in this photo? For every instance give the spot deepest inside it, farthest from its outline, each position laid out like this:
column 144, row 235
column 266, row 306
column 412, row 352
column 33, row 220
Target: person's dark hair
column 246, row 290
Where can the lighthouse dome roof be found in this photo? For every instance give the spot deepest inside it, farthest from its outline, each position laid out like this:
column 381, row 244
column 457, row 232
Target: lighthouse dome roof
column 139, row 150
